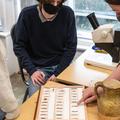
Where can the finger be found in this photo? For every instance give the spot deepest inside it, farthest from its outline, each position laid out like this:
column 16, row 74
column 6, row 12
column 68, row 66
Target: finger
column 42, row 81
column 90, row 99
column 39, row 77
column 50, row 79
column 33, row 81
column 85, row 96
column 42, row 74
column 53, row 78
column 38, row 82
column 80, row 101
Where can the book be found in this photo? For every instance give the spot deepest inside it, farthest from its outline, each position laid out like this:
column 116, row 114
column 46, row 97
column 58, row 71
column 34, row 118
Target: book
column 103, row 60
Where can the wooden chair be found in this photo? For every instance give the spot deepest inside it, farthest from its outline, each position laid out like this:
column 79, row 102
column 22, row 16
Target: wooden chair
column 20, row 65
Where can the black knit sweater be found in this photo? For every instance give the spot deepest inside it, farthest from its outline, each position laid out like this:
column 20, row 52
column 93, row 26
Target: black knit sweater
column 42, row 44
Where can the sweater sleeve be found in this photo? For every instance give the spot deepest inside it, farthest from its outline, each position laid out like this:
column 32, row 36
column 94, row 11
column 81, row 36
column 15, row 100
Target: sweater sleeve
column 70, row 46
column 8, row 102
column 20, row 45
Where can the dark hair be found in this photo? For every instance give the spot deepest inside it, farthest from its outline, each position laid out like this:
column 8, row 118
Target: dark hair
column 44, row 1
column 113, row 2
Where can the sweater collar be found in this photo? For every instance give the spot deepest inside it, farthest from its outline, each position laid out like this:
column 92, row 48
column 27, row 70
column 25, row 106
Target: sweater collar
column 42, row 18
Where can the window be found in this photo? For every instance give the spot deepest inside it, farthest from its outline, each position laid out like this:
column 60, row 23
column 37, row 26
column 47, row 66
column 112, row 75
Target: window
column 9, row 12
column 25, row 3
column 82, row 8
column 20, row 4
column 1, row 16
column 6, row 15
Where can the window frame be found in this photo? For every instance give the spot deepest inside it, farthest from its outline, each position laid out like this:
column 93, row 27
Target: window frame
column 85, row 37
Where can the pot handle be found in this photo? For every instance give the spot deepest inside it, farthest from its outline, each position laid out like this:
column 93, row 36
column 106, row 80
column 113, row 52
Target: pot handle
column 97, row 85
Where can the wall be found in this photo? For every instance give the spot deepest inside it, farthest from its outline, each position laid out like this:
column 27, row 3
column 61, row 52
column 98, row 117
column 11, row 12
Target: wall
column 7, row 14
column 10, row 58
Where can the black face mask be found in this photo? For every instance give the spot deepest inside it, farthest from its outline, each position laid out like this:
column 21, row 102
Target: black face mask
column 51, row 9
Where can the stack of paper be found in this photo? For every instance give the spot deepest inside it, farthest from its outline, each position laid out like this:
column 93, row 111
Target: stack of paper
column 102, row 60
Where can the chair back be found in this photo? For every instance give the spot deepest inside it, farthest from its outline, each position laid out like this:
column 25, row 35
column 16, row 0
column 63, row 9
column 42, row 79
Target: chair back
column 12, row 32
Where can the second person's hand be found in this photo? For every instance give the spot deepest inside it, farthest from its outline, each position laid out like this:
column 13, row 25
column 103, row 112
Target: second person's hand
column 88, row 96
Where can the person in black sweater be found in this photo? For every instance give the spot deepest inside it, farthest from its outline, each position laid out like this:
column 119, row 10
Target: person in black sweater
column 46, row 40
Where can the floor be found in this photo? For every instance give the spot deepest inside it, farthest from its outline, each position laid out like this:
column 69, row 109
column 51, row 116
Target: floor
column 18, row 85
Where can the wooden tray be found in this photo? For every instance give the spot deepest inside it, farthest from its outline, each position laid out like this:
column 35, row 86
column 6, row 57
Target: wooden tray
column 60, row 103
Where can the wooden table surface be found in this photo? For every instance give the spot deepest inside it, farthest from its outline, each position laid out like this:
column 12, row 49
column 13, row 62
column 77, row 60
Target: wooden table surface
column 80, row 73
column 76, row 73
column 28, row 109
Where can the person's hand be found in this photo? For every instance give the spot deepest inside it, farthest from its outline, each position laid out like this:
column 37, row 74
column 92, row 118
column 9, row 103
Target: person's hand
column 38, row 77
column 88, row 96
column 52, row 78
